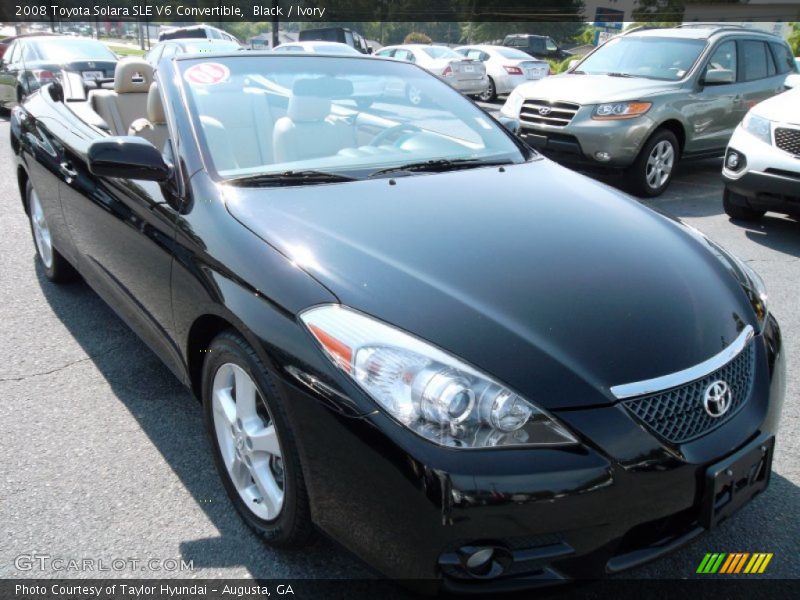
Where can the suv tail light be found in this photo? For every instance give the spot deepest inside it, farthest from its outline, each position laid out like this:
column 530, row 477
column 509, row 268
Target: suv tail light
column 512, row 70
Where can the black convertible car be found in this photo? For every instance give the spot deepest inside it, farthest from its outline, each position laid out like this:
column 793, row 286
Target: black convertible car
column 408, row 329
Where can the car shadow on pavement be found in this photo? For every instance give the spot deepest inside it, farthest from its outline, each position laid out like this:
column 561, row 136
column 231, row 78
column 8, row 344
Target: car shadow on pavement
column 172, row 419
column 781, row 234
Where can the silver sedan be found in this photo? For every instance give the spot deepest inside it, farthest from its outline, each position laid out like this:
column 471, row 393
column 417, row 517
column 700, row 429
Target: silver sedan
column 506, row 67
column 467, row 76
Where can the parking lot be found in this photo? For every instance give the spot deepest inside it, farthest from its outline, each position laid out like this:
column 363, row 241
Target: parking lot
column 105, row 456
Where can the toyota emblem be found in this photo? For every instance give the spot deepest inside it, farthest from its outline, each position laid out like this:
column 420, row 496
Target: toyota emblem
column 545, row 110
column 717, row 399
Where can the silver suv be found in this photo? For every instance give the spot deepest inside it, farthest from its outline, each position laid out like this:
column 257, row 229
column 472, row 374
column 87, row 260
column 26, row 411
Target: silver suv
column 646, row 98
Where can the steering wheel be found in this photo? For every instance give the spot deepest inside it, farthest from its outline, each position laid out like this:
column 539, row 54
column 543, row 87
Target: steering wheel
column 387, row 133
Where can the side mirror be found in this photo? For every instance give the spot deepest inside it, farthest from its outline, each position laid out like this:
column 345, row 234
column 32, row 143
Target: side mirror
column 572, row 64
column 718, row 77
column 127, row 157
column 510, row 123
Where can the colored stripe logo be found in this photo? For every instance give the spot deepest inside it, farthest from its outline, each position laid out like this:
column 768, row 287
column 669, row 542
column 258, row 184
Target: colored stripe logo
column 734, row 563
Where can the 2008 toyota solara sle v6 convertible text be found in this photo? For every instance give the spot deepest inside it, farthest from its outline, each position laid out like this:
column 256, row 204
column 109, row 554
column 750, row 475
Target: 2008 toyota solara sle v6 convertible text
column 409, row 330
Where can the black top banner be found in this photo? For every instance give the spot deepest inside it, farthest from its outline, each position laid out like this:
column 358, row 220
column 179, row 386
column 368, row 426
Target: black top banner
column 329, row 11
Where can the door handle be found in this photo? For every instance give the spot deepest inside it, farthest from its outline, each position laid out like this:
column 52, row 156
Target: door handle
column 67, row 170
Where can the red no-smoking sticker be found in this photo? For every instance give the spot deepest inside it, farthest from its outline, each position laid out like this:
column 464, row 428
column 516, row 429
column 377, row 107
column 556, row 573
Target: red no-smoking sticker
column 207, row 73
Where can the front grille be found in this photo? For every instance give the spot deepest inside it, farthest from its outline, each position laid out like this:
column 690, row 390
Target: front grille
column 788, row 140
column 678, row 415
column 558, row 114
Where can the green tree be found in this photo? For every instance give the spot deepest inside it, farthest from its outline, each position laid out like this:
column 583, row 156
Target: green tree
column 794, row 39
column 416, row 37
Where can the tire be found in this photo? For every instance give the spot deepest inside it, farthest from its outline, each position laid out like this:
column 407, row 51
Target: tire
column 738, row 212
column 652, row 171
column 56, row 268
column 490, row 94
column 284, row 522
column 21, row 95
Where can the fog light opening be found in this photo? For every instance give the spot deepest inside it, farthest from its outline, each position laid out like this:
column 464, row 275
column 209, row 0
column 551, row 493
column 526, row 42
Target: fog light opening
column 734, row 160
column 602, row 156
column 482, row 562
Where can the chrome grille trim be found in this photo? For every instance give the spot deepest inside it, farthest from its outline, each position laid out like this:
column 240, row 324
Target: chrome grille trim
column 560, row 115
column 665, row 382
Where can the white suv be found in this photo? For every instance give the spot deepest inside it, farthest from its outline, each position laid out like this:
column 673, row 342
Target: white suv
column 762, row 163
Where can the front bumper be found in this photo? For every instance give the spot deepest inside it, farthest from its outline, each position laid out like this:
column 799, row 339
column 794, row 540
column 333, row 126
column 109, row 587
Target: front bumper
column 769, row 178
column 622, row 498
column 580, row 141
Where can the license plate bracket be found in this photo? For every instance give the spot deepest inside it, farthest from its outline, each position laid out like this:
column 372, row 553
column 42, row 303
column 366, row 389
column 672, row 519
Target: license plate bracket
column 733, row 482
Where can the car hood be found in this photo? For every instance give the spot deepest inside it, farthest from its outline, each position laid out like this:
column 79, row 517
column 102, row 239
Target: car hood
column 592, row 89
column 782, row 107
column 555, row 284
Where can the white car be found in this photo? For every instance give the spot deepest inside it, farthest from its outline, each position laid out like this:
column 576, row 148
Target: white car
column 762, row 163
column 366, row 90
column 467, row 76
column 506, row 67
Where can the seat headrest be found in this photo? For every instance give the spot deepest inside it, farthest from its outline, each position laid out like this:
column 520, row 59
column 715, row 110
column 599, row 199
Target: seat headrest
column 311, row 97
column 306, row 109
column 155, row 107
column 132, row 75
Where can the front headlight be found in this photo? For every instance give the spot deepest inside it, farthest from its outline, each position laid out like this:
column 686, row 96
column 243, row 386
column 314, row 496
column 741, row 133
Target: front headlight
column 513, row 104
column 758, row 127
column 429, row 391
column 620, row 110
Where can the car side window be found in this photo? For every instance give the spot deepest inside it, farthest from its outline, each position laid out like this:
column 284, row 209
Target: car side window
column 551, row 45
column 405, row 55
column 474, row 54
column 12, row 55
column 384, row 53
column 28, row 53
column 784, row 60
column 724, row 58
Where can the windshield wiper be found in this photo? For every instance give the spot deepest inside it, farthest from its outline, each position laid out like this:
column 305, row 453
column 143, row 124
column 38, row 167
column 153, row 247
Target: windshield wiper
column 441, row 165
column 620, row 75
column 289, row 178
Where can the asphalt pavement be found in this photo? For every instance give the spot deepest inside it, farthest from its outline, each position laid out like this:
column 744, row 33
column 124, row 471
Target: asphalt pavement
column 103, row 454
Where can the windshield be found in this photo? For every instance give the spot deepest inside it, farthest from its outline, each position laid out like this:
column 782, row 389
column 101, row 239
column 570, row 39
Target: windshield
column 206, row 46
column 441, row 52
column 511, row 53
column 262, row 115
column 652, row 57
column 63, row 50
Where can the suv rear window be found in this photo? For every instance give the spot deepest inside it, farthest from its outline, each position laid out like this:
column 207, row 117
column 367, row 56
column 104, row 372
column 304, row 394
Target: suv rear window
column 783, row 58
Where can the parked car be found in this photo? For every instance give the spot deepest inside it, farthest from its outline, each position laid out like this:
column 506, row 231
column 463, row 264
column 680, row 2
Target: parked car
column 189, row 46
column 538, row 46
column 762, row 163
column 342, row 35
column 366, row 90
column 643, row 100
column 506, row 67
column 467, row 76
column 195, row 31
column 469, row 364
column 32, row 62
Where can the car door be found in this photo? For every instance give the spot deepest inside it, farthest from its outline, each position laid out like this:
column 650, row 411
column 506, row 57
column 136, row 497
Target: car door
column 9, row 70
column 123, row 230
column 758, row 72
column 714, row 110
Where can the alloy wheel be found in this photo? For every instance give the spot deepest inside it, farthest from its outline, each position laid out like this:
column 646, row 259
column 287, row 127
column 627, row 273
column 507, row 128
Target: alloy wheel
column 488, row 94
column 41, row 232
column 659, row 164
column 248, row 441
